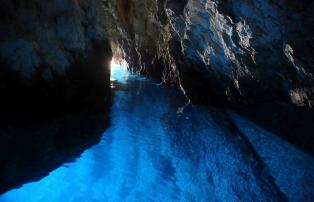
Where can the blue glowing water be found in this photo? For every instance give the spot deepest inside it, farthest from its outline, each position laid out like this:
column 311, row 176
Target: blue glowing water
column 154, row 152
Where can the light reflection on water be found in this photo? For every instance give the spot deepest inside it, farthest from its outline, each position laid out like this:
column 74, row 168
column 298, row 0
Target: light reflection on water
column 134, row 161
column 151, row 153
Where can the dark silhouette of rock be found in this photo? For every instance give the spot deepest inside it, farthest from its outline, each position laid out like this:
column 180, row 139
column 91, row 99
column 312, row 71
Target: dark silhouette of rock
column 29, row 152
column 54, row 56
column 54, row 85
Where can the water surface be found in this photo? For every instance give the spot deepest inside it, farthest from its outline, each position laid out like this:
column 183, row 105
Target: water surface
column 160, row 149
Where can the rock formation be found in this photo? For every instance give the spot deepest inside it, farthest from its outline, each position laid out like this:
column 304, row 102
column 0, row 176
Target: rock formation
column 249, row 52
column 54, row 55
column 216, row 51
column 54, row 85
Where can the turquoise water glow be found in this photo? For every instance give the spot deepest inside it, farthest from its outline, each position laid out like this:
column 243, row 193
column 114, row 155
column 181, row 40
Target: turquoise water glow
column 153, row 153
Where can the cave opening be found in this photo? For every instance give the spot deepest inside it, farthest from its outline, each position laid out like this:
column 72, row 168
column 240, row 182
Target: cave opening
column 119, row 71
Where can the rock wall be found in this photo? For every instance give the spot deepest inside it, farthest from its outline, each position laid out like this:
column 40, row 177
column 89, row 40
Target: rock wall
column 54, row 55
column 243, row 51
column 54, row 85
column 217, row 51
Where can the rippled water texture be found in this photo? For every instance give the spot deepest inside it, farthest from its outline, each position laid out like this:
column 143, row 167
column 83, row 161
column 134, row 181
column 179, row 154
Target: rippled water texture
column 158, row 149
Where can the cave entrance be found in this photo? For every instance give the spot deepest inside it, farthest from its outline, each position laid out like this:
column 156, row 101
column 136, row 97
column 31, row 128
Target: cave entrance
column 119, row 71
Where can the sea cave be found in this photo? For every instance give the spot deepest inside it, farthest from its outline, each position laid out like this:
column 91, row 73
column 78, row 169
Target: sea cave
column 156, row 100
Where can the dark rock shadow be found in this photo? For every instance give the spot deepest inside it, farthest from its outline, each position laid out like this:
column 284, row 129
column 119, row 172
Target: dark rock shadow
column 28, row 152
column 293, row 124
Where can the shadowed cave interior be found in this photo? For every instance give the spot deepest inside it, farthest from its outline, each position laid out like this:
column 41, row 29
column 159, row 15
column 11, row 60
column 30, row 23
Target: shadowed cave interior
column 156, row 100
